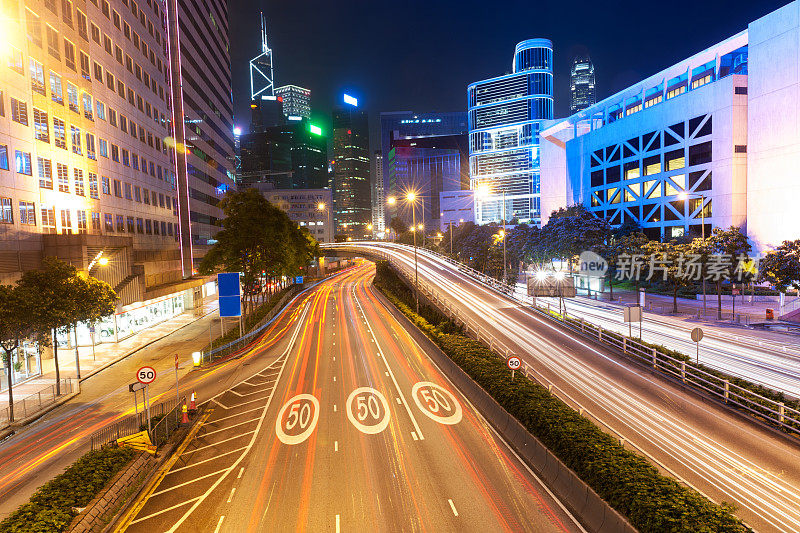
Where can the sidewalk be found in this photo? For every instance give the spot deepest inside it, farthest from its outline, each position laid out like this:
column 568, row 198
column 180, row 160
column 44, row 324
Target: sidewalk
column 104, row 356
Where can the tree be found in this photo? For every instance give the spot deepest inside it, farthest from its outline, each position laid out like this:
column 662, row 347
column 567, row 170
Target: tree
column 627, row 245
column 781, row 266
column 572, row 230
column 667, row 261
column 16, row 319
column 727, row 247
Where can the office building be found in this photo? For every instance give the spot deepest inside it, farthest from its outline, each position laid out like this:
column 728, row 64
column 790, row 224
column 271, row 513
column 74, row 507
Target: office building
column 203, row 116
column 352, row 193
column 581, row 84
column 296, row 101
column 291, row 156
column 713, row 138
column 456, row 207
column 505, row 117
column 378, row 196
column 427, row 172
column 84, row 174
column 309, row 208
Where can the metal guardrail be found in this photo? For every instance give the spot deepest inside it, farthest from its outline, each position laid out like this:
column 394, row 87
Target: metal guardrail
column 138, row 422
column 729, row 394
column 33, row 403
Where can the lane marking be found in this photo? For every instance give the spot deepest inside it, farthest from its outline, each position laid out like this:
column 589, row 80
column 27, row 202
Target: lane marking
column 187, row 482
column 162, row 511
column 452, row 506
column 231, row 416
column 334, row 408
column 334, row 378
column 337, row 524
column 241, row 471
column 414, row 435
column 216, row 443
column 364, row 403
column 219, row 403
column 299, row 416
column 206, row 460
column 399, row 401
column 219, row 524
column 228, row 427
column 437, row 399
column 233, row 490
column 245, row 394
column 336, row 445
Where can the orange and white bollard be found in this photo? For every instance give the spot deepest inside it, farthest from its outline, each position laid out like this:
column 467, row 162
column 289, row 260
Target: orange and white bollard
column 185, row 415
column 192, row 404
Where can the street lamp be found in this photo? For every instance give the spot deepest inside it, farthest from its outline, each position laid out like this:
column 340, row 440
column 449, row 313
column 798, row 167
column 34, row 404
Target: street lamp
column 411, row 198
column 684, row 196
column 482, row 191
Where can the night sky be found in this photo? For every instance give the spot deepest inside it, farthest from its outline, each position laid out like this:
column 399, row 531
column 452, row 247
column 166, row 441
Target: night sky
column 420, row 54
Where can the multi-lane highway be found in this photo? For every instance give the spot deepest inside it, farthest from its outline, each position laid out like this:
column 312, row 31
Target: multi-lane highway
column 723, row 455
column 345, row 424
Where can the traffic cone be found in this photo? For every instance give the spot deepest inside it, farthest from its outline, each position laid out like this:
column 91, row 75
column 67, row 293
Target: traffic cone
column 185, row 416
column 192, row 404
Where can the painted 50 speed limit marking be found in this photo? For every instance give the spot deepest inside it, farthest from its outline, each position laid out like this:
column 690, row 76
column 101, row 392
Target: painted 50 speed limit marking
column 368, row 410
column 300, row 421
column 437, row 403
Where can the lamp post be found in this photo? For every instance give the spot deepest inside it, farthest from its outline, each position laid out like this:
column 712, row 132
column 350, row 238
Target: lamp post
column 684, row 196
column 411, row 198
column 482, row 190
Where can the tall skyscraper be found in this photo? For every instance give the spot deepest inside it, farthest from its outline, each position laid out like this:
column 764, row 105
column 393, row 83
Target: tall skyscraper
column 352, row 194
column 581, row 84
column 262, row 77
column 378, row 195
column 296, row 101
column 203, row 118
column 505, row 116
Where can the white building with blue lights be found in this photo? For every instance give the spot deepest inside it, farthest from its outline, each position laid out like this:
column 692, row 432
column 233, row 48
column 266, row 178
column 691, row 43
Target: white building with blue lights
column 505, row 117
column 714, row 138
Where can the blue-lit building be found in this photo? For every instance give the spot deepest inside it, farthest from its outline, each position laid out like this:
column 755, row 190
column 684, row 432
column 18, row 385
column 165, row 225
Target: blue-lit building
column 505, row 117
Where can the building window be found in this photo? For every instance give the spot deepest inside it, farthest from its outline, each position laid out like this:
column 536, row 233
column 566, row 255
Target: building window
column 79, row 185
column 34, row 27
column 148, row 227
column 103, row 144
column 90, row 153
column 740, row 90
column 108, row 221
column 88, row 107
column 27, row 213
column 15, row 60
column 146, row 196
column 700, row 153
column 139, row 225
column 63, row 177
column 155, row 228
column 56, row 88
column 652, row 165
column 93, row 188
column 653, row 101
column 118, row 188
column 701, row 81
column 676, row 91
column 128, row 191
column 69, row 55
column 19, row 111
column 740, row 149
column 59, row 133
column 120, row 224
column 76, row 140
column 115, row 153
column 45, row 173
column 48, row 218
column 95, row 33
column 137, row 193
column 81, row 221
column 131, row 225
column 41, row 126
column 85, row 66
column 6, row 211
column 101, row 110
column 72, row 97
column 3, row 157
column 66, row 221
column 37, row 77
column 674, row 160
column 106, row 185
column 95, row 221
column 126, row 158
column 23, row 162
column 631, row 170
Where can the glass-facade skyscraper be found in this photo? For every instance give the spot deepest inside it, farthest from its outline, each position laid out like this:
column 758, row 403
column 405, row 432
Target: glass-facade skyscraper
column 352, row 193
column 296, row 100
column 505, row 116
column 581, row 84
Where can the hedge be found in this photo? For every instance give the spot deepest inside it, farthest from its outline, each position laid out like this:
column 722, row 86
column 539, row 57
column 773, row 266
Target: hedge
column 627, row 481
column 53, row 506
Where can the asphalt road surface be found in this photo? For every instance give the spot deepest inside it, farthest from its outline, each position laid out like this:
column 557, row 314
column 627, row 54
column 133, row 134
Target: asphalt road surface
column 724, row 455
column 346, row 425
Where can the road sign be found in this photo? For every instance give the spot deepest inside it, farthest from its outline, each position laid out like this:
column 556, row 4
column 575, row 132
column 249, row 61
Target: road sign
column 513, row 362
column 298, row 280
column 136, row 386
column 697, row 334
column 146, row 375
column 230, row 294
column 632, row 313
column 551, row 286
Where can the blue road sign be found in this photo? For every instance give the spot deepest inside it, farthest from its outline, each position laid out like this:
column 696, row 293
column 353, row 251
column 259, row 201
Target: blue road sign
column 230, row 294
column 298, row 280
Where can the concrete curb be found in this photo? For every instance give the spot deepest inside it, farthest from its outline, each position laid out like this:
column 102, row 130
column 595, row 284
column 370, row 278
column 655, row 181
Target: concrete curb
column 594, row 513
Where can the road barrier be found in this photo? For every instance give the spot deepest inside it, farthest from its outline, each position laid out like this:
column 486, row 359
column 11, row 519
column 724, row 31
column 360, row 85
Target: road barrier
column 34, row 403
column 167, row 415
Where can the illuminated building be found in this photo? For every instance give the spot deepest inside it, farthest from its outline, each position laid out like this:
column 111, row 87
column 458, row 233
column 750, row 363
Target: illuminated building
column 581, row 84
column 261, row 68
column 296, row 101
column 291, row 156
column 352, row 194
column 505, row 116
column 378, row 195
column 309, row 208
column 711, row 137
column 204, row 109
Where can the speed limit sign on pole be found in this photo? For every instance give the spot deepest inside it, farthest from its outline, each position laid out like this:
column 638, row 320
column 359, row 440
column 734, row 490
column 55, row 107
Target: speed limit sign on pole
column 146, row 375
column 513, row 363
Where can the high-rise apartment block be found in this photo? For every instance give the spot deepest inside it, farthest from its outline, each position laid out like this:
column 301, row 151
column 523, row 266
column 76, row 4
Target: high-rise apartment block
column 505, row 117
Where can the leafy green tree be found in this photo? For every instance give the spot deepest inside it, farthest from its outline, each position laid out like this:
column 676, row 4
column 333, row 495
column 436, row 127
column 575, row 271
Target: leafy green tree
column 667, row 264
column 16, row 319
column 781, row 266
column 626, row 245
column 730, row 245
column 572, row 230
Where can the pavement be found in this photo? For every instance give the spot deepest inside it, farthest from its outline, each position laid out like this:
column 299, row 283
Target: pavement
column 93, row 361
column 338, row 421
column 724, row 455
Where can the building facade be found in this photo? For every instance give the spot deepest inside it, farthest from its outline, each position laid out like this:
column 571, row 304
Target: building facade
column 581, row 84
column 352, row 192
column 296, row 101
column 505, row 117
column 378, row 196
column 309, row 208
column 456, row 207
column 682, row 148
column 203, row 115
column 290, row 156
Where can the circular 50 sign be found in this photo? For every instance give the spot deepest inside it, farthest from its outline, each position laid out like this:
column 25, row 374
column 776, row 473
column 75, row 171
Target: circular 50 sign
column 146, row 375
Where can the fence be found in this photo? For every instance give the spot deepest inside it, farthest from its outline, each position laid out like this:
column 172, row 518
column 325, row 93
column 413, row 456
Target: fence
column 721, row 388
column 32, row 404
column 160, row 416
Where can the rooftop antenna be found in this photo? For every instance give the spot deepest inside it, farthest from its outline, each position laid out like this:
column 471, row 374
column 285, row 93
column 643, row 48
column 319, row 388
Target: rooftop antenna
column 261, row 72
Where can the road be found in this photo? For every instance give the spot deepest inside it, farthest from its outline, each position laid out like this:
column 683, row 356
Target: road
column 721, row 454
column 346, row 425
column 43, row 449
